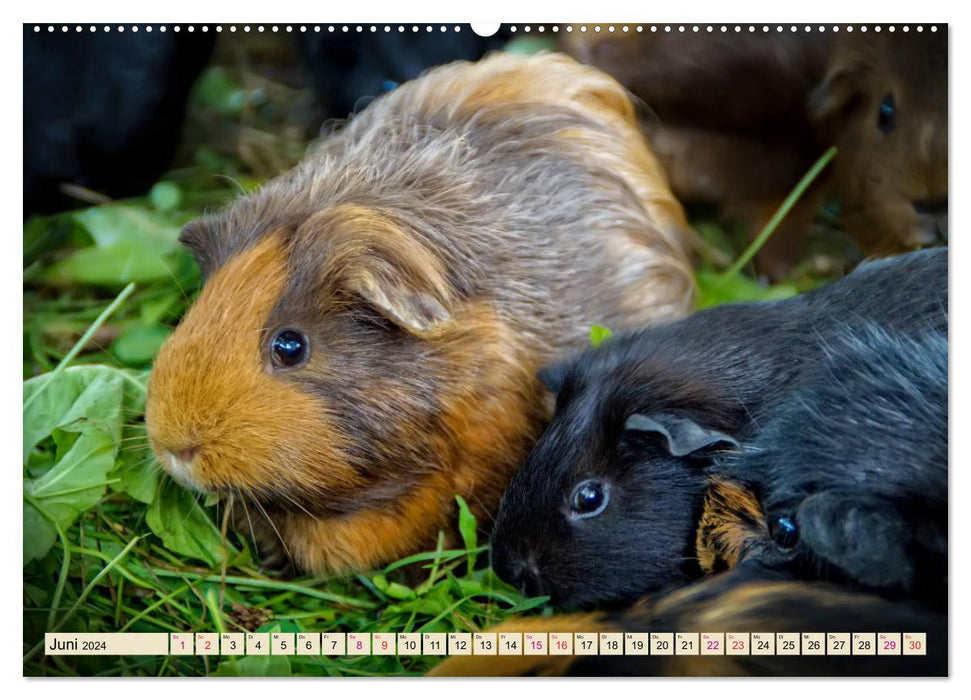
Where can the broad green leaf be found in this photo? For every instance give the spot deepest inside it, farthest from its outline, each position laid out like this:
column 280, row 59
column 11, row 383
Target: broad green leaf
column 139, row 475
column 598, row 334
column 113, row 265
column 111, row 224
column 183, row 525
column 138, row 345
column 74, row 399
column 39, row 534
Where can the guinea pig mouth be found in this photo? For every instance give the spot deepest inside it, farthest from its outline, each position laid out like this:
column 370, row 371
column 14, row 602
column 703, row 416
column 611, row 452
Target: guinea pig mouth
column 180, row 469
column 931, row 223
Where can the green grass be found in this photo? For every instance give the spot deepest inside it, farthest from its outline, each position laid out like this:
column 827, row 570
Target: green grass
column 110, row 543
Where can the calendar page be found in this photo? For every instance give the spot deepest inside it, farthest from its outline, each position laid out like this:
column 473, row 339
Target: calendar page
column 397, row 349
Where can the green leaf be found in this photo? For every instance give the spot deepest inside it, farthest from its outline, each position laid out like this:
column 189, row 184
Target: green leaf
column 138, row 475
column 392, row 589
column 165, row 196
column 74, row 399
column 112, row 265
column 467, row 526
column 715, row 288
column 79, row 411
column 215, row 90
column 110, row 224
column 598, row 334
column 184, row 526
column 138, row 345
column 528, row 45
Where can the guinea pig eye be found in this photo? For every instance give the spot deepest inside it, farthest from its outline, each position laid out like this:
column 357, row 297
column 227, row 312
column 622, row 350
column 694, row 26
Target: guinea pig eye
column 289, row 348
column 887, row 114
column 784, row 532
column 589, row 499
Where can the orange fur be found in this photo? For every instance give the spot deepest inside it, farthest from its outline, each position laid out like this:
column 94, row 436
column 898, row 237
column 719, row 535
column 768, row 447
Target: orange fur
column 731, row 524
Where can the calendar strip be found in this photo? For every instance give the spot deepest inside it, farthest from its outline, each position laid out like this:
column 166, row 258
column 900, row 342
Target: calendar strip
column 488, row 644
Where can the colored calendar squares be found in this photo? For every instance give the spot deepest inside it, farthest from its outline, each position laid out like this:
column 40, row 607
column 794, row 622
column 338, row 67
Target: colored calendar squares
column 459, row 644
column 737, row 643
column 585, row 644
column 686, row 643
column 358, row 644
column 611, row 644
column 662, row 643
column 787, row 644
column 838, row 644
column 510, row 643
column 308, row 644
column 409, row 643
column 383, row 644
column 333, row 644
column 712, row 644
column 535, row 643
column 485, row 643
column 207, row 644
column 637, row 644
column 762, row 643
column 888, row 644
column 561, row 643
column 864, row 644
column 434, row 643
column 813, row 644
column 914, row 644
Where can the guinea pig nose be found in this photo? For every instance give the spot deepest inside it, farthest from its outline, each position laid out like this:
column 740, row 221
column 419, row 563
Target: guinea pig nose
column 186, row 454
column 529, row 582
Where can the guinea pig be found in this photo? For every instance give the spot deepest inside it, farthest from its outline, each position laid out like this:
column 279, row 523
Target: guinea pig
column 742, row 602
column 883, row 102
column 366, row 343
column 851, row 469
column 737, row 120
column 607, row 504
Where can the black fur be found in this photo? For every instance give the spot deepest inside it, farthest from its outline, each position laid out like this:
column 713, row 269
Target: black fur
column 857, row 459
column 723, row 369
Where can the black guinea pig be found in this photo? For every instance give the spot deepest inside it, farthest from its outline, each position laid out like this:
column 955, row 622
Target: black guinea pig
column 851, row 471
column 606, row 506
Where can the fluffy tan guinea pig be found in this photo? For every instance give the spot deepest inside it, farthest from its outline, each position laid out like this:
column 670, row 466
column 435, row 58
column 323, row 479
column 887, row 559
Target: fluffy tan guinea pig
column 366, row 341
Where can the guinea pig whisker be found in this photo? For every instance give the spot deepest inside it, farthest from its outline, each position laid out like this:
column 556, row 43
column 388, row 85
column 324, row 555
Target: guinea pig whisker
column 269, row 521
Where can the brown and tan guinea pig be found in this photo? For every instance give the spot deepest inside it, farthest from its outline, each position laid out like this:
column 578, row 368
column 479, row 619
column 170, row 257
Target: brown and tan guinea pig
column 737, row 120
column 366, row 342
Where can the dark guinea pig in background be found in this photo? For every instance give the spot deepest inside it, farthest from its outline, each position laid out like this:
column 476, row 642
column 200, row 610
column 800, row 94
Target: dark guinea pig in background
column 737, row 119
column 366, row 343
column 607, row 505
column 851, row 471
column 104, row 110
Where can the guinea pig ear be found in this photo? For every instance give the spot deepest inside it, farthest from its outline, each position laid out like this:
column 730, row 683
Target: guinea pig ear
column 682, row 436
column 198, row 236
column 369, row 254
column 837, row 94
column 410, row 308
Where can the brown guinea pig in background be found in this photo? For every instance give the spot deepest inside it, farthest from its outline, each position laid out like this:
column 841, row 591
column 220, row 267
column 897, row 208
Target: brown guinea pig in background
column 366, row 342
column 737, row 120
